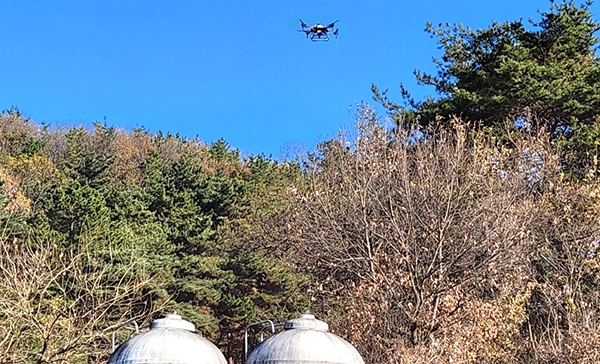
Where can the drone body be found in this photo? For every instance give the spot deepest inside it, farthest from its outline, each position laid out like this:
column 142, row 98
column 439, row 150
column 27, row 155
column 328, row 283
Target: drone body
column 319, row 32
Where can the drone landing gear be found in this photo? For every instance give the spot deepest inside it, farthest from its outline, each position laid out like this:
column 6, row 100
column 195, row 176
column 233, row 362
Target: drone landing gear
column 314, row 38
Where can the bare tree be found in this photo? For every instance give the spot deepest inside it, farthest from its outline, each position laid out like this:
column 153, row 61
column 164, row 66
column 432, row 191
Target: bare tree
column 59, row 306
column 406, row 227
column 564, row 310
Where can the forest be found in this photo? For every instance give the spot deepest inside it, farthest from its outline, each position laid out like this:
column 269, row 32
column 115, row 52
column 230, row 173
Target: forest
column 460, row 228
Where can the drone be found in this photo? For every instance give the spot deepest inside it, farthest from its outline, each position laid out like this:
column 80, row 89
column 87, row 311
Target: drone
column 319, row 32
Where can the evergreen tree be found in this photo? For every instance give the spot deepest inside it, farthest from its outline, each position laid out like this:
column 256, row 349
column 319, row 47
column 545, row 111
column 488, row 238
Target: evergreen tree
column 545, row 77
column 88, row 160
column 76, row 211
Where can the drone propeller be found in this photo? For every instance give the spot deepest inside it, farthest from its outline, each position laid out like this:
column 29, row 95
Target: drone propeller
column 332, row 24
column 307, row 32
column 303, row 24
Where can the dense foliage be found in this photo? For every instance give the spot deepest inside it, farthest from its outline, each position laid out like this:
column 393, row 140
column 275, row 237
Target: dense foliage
column 102, row 226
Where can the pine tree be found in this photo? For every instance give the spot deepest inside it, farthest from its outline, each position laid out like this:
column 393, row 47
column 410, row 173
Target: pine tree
column 545, row 77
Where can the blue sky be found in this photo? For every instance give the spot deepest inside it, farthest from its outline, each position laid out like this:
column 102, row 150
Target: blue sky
column 233, row 69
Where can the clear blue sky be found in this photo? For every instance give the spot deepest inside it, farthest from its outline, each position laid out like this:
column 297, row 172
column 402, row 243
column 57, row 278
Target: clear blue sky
column 236, row 69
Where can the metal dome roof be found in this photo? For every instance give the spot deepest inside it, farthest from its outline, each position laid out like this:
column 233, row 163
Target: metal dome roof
column 170, row 340
column 305, row 340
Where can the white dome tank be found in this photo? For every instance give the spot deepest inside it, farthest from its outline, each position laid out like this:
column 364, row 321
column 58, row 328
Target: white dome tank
column 171, row 340
column 305, row 340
